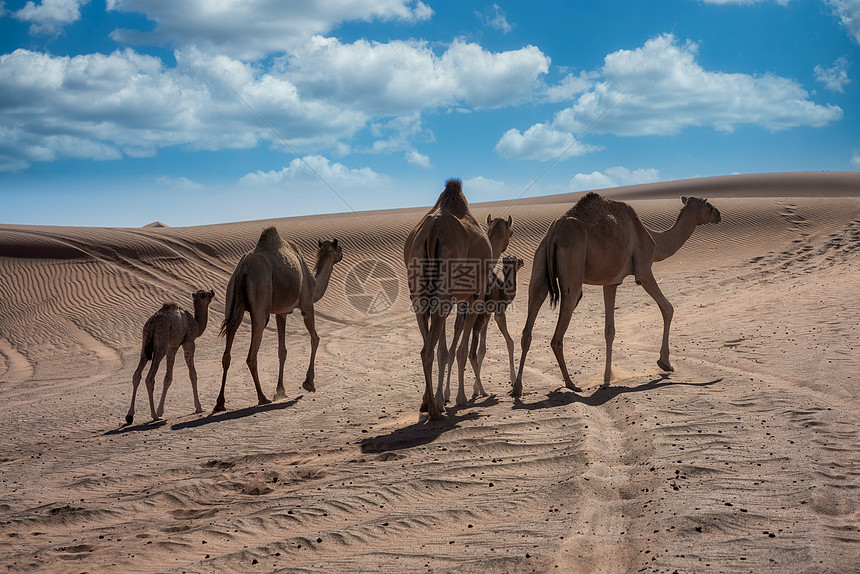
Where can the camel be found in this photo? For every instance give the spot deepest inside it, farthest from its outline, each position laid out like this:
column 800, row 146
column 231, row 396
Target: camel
column 600, row 242
column 501, row 291
column 274, row 279
column 163, row 333
column 448, row 258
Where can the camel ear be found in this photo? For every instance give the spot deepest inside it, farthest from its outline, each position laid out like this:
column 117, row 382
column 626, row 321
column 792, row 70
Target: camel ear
column 319, row 242
column 489, row 219
column 335, row 243
column 510, row 221
column 684, row 200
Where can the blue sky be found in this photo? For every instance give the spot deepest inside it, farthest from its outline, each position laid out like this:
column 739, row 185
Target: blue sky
column 123, row 112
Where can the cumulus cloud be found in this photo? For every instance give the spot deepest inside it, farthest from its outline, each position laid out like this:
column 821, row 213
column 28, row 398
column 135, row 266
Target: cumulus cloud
column 541, row 142
column 668, row 92
column 855, row 159
column 835, row 77
column 50, row 15
column 400, row 77
column 848, row 12
column 419, row 159
column 613, row 177
column 100, row 106
column 311, row 169
column 252, row 29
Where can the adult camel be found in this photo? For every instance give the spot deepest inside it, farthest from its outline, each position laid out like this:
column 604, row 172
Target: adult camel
column 274, row 279
column 600, row 242
column 448, row 259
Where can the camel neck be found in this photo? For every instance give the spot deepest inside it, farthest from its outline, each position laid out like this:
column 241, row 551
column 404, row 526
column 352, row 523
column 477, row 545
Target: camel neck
column 322, row 278
column 670, row 241
column 201, row 317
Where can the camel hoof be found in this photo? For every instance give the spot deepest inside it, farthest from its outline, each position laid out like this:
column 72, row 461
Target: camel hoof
column 666, row 366
column 605, row 385
column 280, row 396
column 219, row 408
column 573, row 387
column 129, row 419
column 263, row 401
column 462, row 401
column 439, row 416
column 309, row 386
column 198, row 410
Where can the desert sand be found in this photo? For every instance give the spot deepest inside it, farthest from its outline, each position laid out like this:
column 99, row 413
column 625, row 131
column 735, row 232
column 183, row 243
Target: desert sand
column 745, row 459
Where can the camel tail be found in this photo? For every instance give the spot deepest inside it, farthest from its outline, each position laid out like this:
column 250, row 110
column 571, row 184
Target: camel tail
column 551, row 278
column 432, row 265
column 234, row 309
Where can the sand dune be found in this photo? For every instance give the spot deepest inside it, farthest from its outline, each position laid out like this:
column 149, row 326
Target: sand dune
column 745, row 458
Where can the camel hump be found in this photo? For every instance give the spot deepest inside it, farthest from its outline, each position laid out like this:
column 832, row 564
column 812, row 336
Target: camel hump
column 452, row 200
column 269, row 240
column 590, row 207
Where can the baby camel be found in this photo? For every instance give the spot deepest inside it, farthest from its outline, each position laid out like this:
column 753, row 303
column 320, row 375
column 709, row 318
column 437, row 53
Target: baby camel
column 163, row 333
column 501, row 291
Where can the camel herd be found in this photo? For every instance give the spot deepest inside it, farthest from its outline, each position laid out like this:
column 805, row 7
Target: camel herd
column 449, row 260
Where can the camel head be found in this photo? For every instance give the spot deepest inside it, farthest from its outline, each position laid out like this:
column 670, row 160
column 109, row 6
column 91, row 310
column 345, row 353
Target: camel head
column 704, row 211
column 201, row 296
column 329, row 250
column 500, row 232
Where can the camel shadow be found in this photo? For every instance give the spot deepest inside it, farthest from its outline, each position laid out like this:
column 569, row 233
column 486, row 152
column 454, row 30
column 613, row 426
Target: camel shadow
column 418, row 434
column 214, row 417
column 562, row 397
column 149, row 425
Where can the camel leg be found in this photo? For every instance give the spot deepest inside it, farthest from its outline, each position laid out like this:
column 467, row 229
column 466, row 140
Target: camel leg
column 651, row 287
column 569, row 302
column 452, row 352
column 478, row 351
column 462, row 351
column 168, row 379
column 188, row 349
column 225, row 365
column 442, row 363
column 258, row 323
column 150, row 381
column 502, row 322
column 308, row 316
column 281, row 320
column 609, row 329
column 538, row 291
column 428, row 403
column 135, row 382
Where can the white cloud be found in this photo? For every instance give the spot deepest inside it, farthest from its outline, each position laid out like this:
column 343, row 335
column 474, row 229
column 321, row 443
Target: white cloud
column 401, row 77
column 835, row 77
column 419, row 159
column 570, row 86
column 105, row 106
column 494, row 17
column 311, row 169
column 613, row 177
column 668, row 92
column 541, row 142
column 849, row 14
column 855, row 159
column 49, row 16
column 251, row 29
